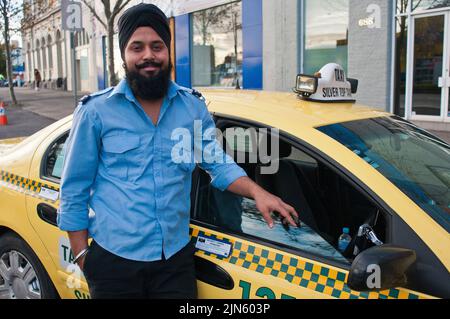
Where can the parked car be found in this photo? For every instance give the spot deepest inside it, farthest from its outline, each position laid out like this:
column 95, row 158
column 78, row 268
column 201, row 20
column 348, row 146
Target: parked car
column 340, row 165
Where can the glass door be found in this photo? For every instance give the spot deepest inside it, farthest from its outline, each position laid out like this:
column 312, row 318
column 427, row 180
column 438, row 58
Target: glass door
column 446, row 78
column 429, row 67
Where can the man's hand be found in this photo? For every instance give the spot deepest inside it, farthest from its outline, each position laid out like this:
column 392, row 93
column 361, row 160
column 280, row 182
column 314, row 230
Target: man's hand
column 266, row 203
column 78, row 242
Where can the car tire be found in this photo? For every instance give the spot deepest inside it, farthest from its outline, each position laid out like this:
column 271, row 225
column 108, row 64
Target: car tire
column 22, row 275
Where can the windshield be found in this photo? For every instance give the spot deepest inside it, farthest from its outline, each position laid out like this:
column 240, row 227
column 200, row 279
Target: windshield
column 415, row 161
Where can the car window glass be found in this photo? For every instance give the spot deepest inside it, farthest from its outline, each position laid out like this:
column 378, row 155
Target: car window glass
column 55, row 158
column 412, row 159
column 297, row 155
column 325, row 202
column 241, row 140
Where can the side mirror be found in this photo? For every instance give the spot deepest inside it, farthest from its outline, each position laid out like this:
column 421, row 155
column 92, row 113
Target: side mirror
column 380, row 268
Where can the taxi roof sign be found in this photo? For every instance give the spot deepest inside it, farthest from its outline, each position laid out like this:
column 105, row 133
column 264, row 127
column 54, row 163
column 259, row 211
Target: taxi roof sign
column 330, row 84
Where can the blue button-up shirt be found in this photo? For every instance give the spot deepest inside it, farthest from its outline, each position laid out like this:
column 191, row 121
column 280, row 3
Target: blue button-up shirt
column 128, row 181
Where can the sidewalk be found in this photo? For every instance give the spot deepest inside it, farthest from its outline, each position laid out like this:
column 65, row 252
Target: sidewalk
column 444, row 135
column 38, row 109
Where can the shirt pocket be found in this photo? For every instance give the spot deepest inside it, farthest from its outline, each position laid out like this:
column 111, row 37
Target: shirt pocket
column 119, row 152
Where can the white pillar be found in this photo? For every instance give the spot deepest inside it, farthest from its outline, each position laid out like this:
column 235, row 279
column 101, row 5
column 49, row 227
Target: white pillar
column 280, row 44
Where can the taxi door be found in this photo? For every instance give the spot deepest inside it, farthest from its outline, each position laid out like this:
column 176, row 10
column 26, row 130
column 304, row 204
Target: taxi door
column 238, row 256
column 281, row 263
column 42, row 205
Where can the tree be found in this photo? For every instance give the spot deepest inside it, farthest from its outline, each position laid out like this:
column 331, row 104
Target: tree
column 2, row 60
column 108, row 23
column 10, row 11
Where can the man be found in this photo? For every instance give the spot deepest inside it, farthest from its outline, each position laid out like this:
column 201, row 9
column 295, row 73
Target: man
column 37, row 79
column 119, row 163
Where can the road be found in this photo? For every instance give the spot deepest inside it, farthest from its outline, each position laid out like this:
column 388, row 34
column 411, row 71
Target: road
column 37, row 110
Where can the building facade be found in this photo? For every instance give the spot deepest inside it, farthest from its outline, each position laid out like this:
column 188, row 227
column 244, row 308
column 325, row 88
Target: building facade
column 44, row 44
column 398, row 50
column 48, row 48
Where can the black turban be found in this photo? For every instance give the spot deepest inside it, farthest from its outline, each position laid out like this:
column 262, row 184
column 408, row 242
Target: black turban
column 143, row 15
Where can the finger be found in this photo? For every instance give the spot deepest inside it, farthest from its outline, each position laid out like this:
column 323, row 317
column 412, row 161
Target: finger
column 291, row 210
column 293, row 213
column 296, row 216
column 268, row 218
column 287, row 215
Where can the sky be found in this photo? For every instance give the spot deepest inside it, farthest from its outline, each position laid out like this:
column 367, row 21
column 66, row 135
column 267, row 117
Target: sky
column 16, row 24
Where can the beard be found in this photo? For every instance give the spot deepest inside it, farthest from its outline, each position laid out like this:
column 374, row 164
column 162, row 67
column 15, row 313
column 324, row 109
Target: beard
column 151, row 87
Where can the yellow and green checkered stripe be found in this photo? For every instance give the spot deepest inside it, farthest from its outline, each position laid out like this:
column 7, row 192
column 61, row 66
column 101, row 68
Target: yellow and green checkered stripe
column 297, row 271
column 24, row 185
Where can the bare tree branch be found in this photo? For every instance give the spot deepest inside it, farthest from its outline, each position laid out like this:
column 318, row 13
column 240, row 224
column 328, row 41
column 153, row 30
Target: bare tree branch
column 123, row 6
column 94, row 13
column 107, row 9
column 116, row 6
column 417, row 5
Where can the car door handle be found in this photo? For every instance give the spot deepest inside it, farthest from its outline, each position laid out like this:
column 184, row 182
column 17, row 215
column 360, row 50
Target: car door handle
column 213, row 274
column 47, row 213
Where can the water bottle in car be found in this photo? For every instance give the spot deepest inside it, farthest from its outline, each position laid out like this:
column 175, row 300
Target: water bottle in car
column 344, row 239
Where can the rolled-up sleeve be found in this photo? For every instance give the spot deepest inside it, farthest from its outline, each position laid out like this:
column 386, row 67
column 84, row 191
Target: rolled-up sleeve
column 220, row 166
column 80, row 169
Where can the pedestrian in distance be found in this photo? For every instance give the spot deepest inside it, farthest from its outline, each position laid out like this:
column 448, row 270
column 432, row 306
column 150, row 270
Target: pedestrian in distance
column 37, row 79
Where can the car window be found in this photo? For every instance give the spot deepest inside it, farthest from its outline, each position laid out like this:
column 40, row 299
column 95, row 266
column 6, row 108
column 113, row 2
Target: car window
column 241, row 140
column 54, row 158
column 415, row 161
column 325, row 202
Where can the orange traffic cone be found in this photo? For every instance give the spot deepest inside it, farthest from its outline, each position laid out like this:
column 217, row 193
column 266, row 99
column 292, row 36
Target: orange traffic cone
column 3, row 117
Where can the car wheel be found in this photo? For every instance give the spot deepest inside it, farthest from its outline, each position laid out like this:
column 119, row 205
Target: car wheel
column 22, row 275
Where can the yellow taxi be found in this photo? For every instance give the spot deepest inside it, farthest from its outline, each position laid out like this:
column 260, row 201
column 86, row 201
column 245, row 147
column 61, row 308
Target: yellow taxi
column 344, row 167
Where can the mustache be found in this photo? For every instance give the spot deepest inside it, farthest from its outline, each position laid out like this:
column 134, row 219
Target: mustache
column 149, row 63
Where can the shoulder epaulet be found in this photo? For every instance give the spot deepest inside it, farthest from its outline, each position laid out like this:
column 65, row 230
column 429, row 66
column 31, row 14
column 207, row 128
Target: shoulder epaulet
column 197, row 94
column 86, row 98
column 194, row 92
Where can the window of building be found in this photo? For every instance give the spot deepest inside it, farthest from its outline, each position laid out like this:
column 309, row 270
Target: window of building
column 401, row 43
column 326, row 34
column 419, row 5
column 406, row 6
column 118, row 63
column 403, row 6
column 217, row 46
column 417, row 93
column 81, row 38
